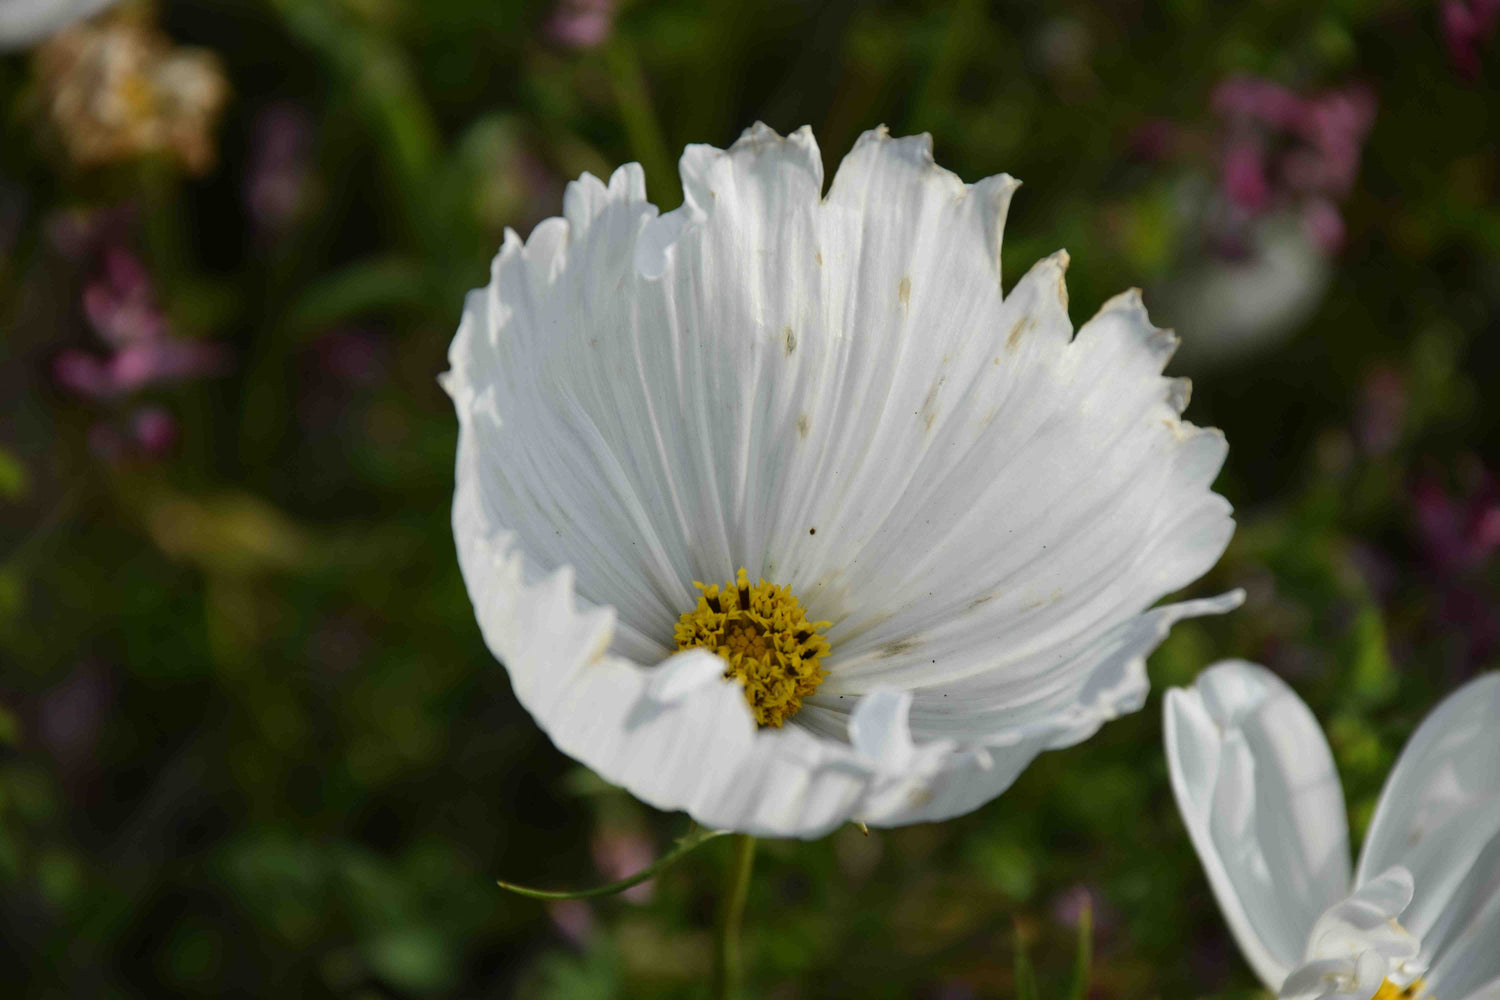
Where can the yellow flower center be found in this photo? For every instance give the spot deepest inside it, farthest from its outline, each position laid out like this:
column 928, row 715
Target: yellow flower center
column 764, row 636
column 1390, row 991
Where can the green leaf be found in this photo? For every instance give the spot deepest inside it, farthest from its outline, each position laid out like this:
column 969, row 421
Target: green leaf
column 413, row 958
column 379, row 75
column 362, row 287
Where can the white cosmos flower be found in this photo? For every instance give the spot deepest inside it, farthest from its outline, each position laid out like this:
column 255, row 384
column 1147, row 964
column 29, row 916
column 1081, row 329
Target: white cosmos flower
column 25, row 22
column 1256, row 784
column 975, row 507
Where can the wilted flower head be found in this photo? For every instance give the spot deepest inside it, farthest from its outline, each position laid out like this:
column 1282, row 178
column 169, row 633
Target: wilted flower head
column 117, row 89
column 1260, row 795
column 941, row 516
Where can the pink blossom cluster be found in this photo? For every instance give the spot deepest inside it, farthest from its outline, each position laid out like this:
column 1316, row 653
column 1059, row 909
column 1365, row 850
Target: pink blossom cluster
column 1459, row 532
column 1459, row 535
column 1281, row 149
column 140, row 351
column 1467, row 26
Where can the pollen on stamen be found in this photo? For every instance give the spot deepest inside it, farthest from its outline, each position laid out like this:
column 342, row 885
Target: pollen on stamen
column 765, row 639
column 1412, row 991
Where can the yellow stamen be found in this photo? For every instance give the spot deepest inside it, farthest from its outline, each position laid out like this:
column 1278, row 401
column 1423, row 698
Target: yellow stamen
column 764, row 636
column 1413, row 991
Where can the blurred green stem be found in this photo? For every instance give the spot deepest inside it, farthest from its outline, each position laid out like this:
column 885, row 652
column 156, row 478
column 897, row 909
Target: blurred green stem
column 641, row 123
column 728, row 967
column 1083, row 965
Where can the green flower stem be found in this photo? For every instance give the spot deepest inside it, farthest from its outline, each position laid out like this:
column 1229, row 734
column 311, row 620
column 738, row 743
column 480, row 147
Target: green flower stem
column 692, row 840
column 728, row 967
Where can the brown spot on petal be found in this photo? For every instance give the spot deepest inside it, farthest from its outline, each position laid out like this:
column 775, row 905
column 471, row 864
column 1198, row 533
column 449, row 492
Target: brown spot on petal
column 897, row 647
column 1022, row 327
column 803, row 425
column 903, row 292
column 791, row 340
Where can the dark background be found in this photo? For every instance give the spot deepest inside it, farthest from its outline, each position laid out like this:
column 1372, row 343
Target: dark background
column 250, row 740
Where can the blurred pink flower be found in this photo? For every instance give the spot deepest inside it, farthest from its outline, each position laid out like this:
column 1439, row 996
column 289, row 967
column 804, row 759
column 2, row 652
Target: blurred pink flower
column 82, row 374
column 71, row 714
column 352, row 356
column 1257, row 100
column 1324, row 225
column 1467, row 26
column 165, row 359
column 1334, row 125
column 620, row 854
column 279, row 177
column 119, row 303
column 581, row 24
column 1381, row 412
column 1068, row 905
column 574, row 920
column 1459, row 532
column 1459, row 535
column 1245, row 182
column 137, row 366
column 1283, row 151
column 79, row 234
column 1153, row 140
column 155, row 431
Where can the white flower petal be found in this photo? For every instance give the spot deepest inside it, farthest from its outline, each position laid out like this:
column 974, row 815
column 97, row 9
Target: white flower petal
column 879, row 730
column 998, row 618
column 1358, row 944
column 1468, row 964
column 769, row 379
column 1261, row 799
column 1439, row 814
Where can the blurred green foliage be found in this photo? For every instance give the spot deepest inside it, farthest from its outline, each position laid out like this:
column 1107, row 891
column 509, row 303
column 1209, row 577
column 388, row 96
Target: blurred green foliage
column 250, row 740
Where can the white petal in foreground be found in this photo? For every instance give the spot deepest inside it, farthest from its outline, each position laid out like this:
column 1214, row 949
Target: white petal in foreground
column 833, row 394
column 1261, row 799
column 1439, row 813
column 1257, row 788
column 1358, row 945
